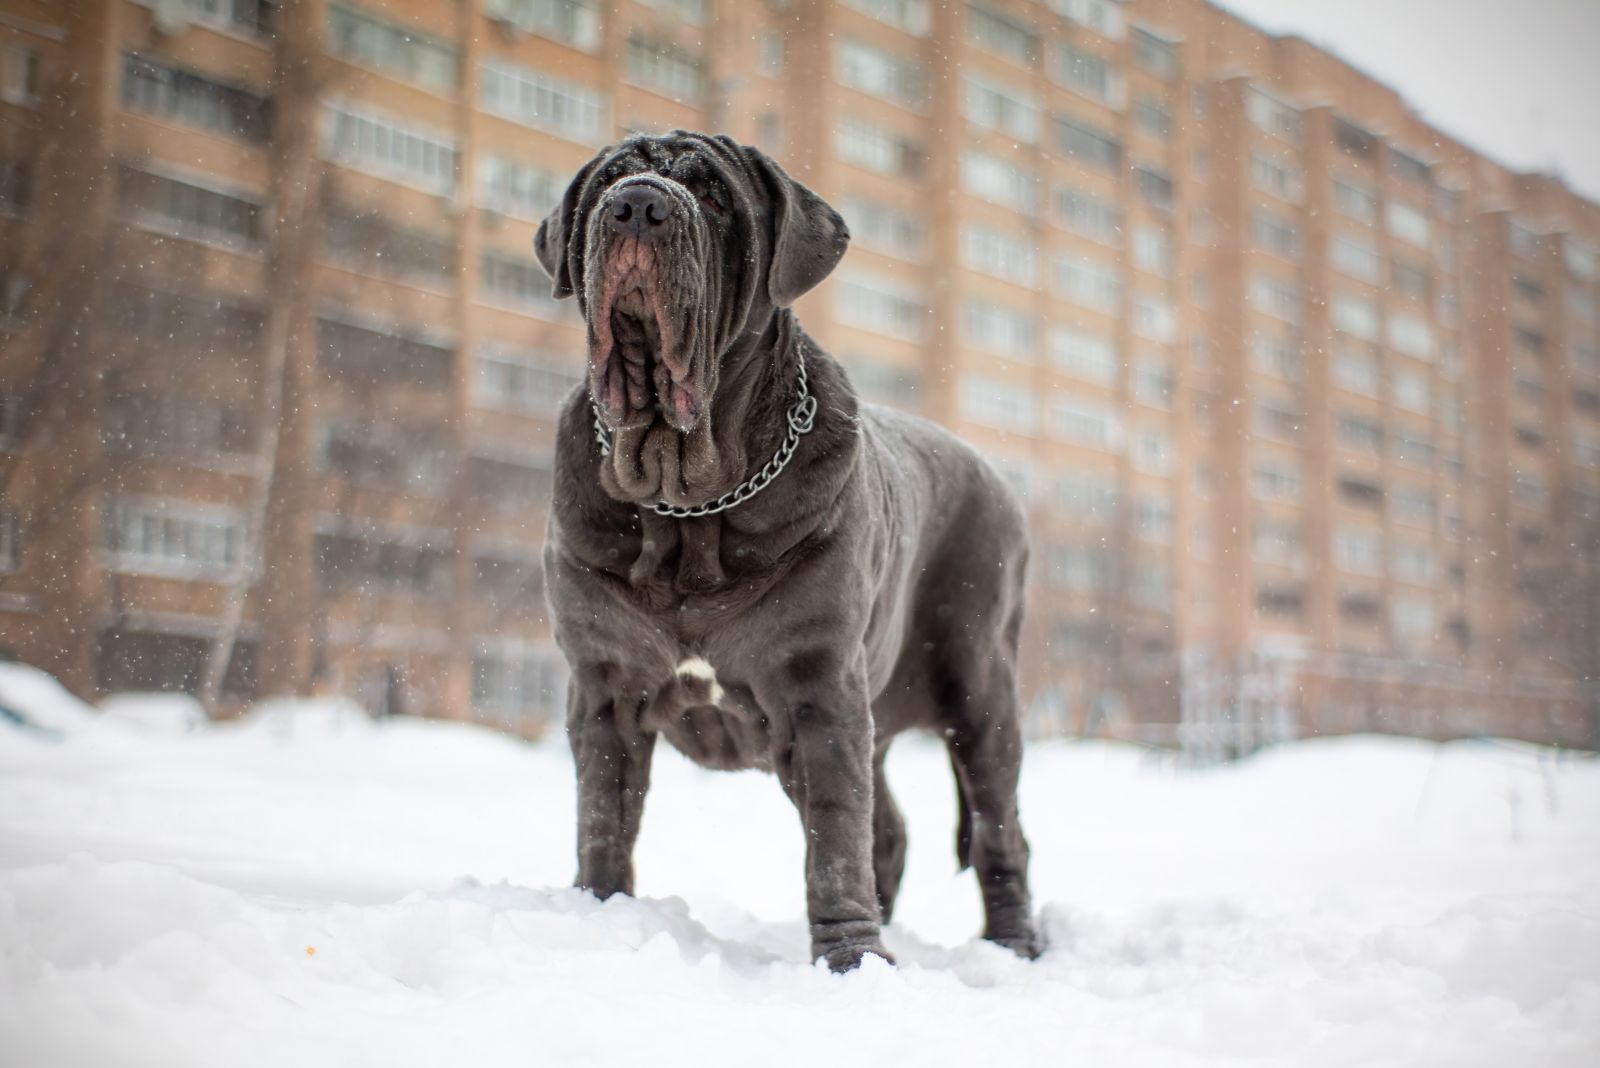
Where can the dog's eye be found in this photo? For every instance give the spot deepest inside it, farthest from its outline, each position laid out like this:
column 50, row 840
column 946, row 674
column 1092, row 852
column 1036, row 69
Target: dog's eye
column 709, row 199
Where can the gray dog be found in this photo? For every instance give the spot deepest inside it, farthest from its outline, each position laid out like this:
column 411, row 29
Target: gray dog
column 745, row 559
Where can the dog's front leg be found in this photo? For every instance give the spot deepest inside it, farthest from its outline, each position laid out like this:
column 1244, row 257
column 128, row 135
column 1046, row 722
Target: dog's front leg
column 826, row 769
column 613, row 763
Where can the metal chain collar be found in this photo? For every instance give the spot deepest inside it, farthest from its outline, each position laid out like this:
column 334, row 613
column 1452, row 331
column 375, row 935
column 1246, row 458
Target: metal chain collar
column 800, row 417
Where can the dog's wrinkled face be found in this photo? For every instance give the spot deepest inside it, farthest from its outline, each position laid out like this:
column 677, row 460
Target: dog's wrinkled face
column 676, row 246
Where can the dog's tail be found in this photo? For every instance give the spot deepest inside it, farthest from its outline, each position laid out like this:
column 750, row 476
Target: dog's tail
column 963, row 821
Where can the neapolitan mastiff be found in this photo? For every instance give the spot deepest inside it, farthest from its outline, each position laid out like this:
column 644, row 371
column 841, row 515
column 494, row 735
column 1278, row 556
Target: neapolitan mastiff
column 748, row 561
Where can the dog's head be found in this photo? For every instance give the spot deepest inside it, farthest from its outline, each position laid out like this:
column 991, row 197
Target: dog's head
column 676, row 246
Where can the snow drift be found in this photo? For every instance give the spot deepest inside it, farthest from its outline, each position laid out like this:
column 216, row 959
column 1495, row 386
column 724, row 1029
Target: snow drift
column 309, row 887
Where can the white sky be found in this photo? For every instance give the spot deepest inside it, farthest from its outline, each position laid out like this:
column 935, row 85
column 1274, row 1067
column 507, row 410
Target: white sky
column 1518, row 80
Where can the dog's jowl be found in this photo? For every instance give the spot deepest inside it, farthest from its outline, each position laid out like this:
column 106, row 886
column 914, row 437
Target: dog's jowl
column 749, row 562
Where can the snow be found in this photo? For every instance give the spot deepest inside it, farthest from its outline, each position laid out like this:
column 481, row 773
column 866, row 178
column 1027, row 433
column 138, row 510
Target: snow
column 310, row 887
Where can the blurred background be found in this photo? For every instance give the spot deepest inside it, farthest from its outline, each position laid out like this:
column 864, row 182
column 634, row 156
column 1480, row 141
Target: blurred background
column 1303, row 394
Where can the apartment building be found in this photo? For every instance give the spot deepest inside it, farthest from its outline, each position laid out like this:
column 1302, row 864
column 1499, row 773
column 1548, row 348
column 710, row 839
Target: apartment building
column 1303, row 395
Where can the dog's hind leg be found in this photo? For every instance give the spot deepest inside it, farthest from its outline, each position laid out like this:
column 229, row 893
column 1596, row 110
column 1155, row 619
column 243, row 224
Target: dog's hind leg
column 888, row 840
column 984, row 736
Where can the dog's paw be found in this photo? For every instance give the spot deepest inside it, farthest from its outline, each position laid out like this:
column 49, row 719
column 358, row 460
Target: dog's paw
column 847, row 956
column 1019, row 935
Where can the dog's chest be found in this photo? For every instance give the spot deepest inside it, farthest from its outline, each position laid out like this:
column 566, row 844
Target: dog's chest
column 705, row 722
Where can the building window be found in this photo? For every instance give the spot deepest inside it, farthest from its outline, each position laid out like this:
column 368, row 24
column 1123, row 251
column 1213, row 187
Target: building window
column 999, row 329
column 1411, row 335
column 885, row 383
column 998, row 107
column 251, row 16
column 1154, row 186
column 1582, row 260
column 1408, row 167
column 173, row 93
column 1359, row 550
column 1155, row 55
column 1413, row 562
column 1276, row 541
column 876, row 148
column 1152, row 118
column 367, row 242
column 1411, row 392
column 1273, row 116
column 1088, row 215
column 1410, row 279
column 1152, row 518
column 1276, row 356
column 1356, row 258
column 520, row 282
column 1154, row 318
column 571, row 22
column 1087, row 74
column 1089, row 143
column 1086, row 496
column 510, row 479
column 1090, row 357
column 518, row 189
column 365, row 356
column 21, row 74
column 999, row 182
column 909, row 16
column 1003, row 36
column 187, row 209
column 1359, row 432
column 382, row 453
column 1081, row 568
column 1355, row 200
column 1153, row 452
column 661, row 68
column 399, row 151
column 1086, row 423
column 508, row 579
column 1003, row 256
column 181, row 539
column 1408, row 224
column 1152, row 251
column 206, row 323
column 1414, row 448
column 1275, row 296
column 542, row 102
column 1276, row 421
column 879, row 304
column 16, row 191
column 770, row 54
column 1154, row 384
column 1272, row 175
column 1001, row 405
column 1102, row 16
column 145, row 422
column 399, row 50
column 1355, row 316
column 880, row 74
column 515, row 682
column 523, row 381
column 1087, row 284
column 882, row 228
column 1276, row 233
column 400, row 559
column 1275, row 480
column 1413, row 504
column 1356, row 370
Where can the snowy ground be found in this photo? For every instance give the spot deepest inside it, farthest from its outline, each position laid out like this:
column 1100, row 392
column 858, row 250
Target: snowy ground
column 303, row 890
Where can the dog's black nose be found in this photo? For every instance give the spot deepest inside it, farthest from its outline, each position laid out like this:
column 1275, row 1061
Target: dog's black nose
column 640, row 210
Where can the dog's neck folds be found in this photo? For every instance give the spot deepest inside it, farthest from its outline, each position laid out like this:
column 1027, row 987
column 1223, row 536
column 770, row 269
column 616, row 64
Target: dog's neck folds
column 758, row 416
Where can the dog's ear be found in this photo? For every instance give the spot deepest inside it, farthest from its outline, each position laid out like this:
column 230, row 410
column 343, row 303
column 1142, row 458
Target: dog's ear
column 808, row 236
column 556, row 242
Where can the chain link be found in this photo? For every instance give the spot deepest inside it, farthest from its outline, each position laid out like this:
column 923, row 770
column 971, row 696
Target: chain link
column 801, row 417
